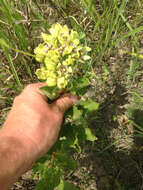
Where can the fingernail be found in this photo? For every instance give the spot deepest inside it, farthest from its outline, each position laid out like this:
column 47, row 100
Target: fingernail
column 75, row 98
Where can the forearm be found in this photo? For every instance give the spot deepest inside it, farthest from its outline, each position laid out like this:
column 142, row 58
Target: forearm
column 13, row 160
column 18, row 149
column 21, row 145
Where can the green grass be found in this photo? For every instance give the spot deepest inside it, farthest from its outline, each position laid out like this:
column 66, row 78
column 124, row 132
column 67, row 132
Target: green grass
column 114, row 30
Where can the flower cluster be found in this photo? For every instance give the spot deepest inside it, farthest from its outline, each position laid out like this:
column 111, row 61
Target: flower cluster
column 61, row 54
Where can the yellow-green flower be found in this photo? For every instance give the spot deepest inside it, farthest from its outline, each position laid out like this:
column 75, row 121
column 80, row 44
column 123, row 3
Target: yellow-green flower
column 67, row 50
column 68, row 61
column 41, row 73
column 51, row 66
column 70, row 70
column 59, row 65
column 61, row 82
column 47, row 38
column 40, row 52
column 86, row 57
column 59, row 73
column 53, row 55
column 74, row 35
column 86, row 48
column 60, row 53
column 51, row 81
column 76, row 42
column 64, row 31
column 76, row 55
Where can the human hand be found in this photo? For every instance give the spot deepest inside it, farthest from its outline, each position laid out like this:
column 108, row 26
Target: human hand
column 34, row 122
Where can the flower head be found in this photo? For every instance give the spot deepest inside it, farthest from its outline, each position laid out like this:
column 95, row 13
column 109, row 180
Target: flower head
column 61, row 54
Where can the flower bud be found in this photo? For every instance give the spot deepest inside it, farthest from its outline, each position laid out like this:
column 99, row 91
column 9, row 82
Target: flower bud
column 41, row 74
column 51, row 81
column 87, row 49
column 86, row 57
column 46, row 37
column 70, row 69
column 76, row 41
column 40, row 52
column 68, row 61
column 67, row 50
column 61, row 82
column 50, row 65
column 53, row 55
column 59, row 73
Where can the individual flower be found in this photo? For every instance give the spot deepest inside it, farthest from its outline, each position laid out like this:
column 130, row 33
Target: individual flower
column 61, row 82
column 67, row 50
column 51, row 81
column 53, row 55
column 40, row 52
column 50, row 65
column 41, row 73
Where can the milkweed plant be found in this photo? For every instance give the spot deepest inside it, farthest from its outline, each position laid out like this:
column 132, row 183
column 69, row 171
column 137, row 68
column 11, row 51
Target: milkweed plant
column 65, row 65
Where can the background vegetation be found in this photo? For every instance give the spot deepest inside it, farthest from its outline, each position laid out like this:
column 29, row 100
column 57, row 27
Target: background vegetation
column 114, row 30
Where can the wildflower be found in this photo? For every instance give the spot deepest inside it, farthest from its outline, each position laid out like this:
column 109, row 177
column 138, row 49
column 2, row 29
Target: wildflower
column 59, row 54
column 61, row 82
column 51, row 81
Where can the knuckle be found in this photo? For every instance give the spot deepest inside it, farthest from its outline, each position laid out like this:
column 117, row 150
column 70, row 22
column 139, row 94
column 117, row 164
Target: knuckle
column 29, row 87
column 63, row 104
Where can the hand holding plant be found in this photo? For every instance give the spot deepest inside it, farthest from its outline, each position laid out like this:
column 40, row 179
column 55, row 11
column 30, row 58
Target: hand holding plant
column 65, row 66
column 31, row 129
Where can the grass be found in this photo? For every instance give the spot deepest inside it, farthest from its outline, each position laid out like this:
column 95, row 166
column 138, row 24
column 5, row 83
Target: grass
column 114, row 30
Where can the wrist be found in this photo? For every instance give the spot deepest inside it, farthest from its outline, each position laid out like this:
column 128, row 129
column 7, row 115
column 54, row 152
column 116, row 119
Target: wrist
column 22, row 130
column 14, row 159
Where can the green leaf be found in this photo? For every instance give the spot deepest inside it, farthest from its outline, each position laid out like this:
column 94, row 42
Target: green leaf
column 50, row 179
column 89, row 105
column 79, row 86
column 66, row 186
column 81, row 35
column 66, row 162
column 89, row 135
column 80, row 130
column 76, row 145
column 82, row 83
column 50, row 92
column 76, row 113
column 71, row 132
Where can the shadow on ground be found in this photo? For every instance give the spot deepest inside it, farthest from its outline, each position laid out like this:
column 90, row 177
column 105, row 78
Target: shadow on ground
column 115, row 161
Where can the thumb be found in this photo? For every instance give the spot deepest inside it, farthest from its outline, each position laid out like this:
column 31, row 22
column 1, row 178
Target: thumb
column 66, row 101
